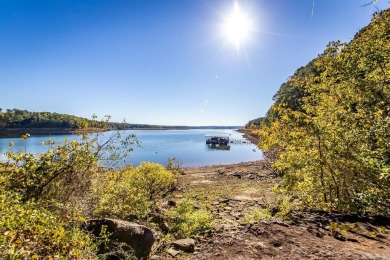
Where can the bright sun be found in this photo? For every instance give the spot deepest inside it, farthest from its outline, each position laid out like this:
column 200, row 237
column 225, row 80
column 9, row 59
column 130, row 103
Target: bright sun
column 237, row 26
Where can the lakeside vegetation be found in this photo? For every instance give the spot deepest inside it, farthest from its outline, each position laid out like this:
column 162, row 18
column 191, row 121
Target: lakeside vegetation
column 80, row 180
column 327, row 132
column 330, row 126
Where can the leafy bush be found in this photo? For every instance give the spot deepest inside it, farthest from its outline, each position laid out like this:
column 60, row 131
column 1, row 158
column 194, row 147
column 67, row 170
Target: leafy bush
column 174, row 165
column 29, row 231
column 188, row 222
column 132, row 192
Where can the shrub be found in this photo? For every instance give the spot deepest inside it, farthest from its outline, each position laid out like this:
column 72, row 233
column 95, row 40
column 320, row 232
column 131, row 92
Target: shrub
column 132, row 192
column 188, row 222
column 28, row 230
column 174, row 165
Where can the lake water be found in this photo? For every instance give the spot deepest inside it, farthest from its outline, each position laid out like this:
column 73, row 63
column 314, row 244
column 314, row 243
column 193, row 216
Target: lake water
column 188, row 146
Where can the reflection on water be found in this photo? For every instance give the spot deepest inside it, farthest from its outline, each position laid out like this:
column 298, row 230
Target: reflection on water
column 219, row 147
column 188, row 146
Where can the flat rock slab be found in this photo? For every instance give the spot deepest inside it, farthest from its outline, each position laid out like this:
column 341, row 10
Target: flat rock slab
column 243, row 198
column 173, row 252
column 187, row 244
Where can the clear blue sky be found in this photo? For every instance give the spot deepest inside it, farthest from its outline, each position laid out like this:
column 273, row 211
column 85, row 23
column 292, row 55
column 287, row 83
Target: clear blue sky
column 162, row 62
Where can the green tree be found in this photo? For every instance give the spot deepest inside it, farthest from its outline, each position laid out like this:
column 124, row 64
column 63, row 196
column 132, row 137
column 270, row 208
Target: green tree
column 334, row 149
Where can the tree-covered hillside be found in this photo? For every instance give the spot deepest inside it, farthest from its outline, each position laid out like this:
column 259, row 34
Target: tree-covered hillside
column 16, row 118
column 255, row 123
column 289, row 95
column 330, row 125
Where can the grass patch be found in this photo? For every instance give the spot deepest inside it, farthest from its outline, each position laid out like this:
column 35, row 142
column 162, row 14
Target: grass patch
column 256, row 214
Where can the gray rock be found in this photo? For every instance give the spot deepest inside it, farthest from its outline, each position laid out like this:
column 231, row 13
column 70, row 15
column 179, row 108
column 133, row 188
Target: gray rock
column 236, row 214
column 173, row 252
column 224, row 200
column 187, row 244
column 218, row 227
column 164, row 226
column 138, row 238
column 261, row 245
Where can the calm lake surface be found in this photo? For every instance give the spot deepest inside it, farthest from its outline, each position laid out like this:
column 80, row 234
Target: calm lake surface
column 188, row 146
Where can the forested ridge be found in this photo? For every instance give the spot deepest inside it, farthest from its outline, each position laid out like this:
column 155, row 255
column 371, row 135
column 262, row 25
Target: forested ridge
column 24, row 119
column 255, row 123
column 17, row 118
column 330, row 126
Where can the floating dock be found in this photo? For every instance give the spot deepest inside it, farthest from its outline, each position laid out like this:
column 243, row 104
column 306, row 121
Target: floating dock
column 239, row 141
column 224, row 139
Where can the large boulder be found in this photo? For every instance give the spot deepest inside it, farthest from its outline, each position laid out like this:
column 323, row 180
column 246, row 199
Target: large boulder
column 137, row 239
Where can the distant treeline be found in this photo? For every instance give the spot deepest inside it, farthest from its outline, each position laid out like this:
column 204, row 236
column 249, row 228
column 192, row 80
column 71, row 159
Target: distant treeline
column 16, row 118
column 255, row 123
column 23, row 119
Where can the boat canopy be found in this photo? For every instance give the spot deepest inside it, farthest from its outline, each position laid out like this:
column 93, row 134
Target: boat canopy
column 220, row 135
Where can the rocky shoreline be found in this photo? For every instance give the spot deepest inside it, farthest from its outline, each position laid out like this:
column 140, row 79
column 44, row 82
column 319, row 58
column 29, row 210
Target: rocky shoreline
column 232, row 191
column 248, row 134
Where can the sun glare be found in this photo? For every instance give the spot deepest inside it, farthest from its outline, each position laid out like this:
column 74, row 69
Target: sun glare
column 237, row 26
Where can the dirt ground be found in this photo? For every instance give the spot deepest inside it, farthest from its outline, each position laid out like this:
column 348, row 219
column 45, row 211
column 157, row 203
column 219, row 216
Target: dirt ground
column 231, row 191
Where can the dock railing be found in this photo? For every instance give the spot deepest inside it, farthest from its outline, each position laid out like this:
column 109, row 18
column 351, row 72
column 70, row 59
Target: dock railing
column 239, row 141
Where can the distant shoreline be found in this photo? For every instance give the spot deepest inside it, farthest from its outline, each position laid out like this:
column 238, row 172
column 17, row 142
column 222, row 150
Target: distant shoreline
column 17, row 132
